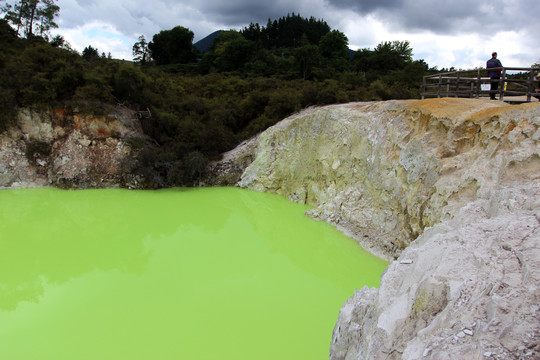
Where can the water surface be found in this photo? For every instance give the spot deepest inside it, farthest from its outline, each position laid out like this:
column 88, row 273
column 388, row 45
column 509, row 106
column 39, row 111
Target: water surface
column 219, row 273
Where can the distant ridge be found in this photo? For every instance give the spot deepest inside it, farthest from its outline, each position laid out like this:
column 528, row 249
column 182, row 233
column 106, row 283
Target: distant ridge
column 204, row 44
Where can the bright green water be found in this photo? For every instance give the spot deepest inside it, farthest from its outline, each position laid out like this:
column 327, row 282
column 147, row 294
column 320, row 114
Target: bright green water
column 219, row 273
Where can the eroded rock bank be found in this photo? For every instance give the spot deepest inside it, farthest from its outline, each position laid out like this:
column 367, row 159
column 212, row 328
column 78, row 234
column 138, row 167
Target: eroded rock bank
column 55, row 147
column 449, row 189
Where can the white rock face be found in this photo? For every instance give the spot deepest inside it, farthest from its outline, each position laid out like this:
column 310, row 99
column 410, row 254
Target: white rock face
column 474, row 287
column 450, row 189
column 384, row 171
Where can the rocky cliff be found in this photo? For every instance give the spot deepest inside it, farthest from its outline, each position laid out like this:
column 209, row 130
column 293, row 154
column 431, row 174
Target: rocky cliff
column 446, row 189
column 58, row 148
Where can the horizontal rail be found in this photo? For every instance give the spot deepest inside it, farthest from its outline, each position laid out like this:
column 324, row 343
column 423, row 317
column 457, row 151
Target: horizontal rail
column 462, row 84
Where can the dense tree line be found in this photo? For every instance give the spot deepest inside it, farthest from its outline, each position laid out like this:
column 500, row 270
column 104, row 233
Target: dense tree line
column 291, row 31
column 203, row 104
column 290, row 48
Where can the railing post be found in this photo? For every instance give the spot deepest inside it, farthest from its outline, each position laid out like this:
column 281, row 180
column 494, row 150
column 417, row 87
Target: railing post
column 457, row 84
column 478, row 85
column 530, row 85
column 502, row 80
column 439, row 87
column 423, row 87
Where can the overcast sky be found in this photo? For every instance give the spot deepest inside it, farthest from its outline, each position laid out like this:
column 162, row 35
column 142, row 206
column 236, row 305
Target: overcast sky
column 445, row 33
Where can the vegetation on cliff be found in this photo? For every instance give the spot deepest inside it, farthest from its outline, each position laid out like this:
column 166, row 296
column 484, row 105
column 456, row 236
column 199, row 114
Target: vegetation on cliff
column 193, row 105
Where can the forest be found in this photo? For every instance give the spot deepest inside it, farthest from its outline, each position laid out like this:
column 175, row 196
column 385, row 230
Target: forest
column 202, row 103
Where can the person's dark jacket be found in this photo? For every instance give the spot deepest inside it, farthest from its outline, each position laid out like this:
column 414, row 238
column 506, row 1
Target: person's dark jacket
column 494, row 63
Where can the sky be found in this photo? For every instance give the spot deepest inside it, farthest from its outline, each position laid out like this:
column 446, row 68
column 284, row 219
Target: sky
column 445, row 33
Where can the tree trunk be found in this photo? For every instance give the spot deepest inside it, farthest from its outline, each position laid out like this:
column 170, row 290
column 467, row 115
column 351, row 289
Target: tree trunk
column 31, row 19
column 22, row 7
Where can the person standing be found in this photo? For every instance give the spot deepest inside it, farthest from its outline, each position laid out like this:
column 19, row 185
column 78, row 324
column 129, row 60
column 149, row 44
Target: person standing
column 494, row 75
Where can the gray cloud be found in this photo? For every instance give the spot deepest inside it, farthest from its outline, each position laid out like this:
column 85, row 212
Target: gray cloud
column 129, row 15
column 449, row 17
column 242, row 12
column 431, row 17
column 440, row 17
column 366, row 7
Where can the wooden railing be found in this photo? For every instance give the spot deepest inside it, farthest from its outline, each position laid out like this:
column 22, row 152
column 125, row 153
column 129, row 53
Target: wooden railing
column 476, row 83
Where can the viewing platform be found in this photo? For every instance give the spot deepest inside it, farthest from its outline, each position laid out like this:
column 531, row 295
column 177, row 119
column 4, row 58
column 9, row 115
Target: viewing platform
column 515, row 86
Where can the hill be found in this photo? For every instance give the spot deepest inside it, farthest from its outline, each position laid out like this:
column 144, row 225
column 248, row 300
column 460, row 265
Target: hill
column 204, row 44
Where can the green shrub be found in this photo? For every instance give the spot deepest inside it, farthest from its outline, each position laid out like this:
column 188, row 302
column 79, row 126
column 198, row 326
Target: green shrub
column 129, row 82
column 282, row 102
column 379, row 90
column 93, row 98
column 7, row 109
column 187, row 171
column 136, row 143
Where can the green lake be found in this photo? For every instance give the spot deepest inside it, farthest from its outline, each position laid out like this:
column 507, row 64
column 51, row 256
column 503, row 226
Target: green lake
column 217, row 273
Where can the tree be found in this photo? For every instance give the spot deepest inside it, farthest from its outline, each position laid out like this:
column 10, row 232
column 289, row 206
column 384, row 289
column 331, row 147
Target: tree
column 387, row 56
column 28, row 15
column 231, row 51
column 141, row 53
column 90, row 53
column 252, row 32
column 58, row 41
column 173, row 46
column 7, row 34
column 334, row 47
column 362, row 60
column 393, row 55
column 306, row 57
column 288, row 31
column 46, row 14
column 14, row 14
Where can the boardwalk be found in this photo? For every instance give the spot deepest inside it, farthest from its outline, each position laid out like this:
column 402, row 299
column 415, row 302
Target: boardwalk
column 515, row 85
